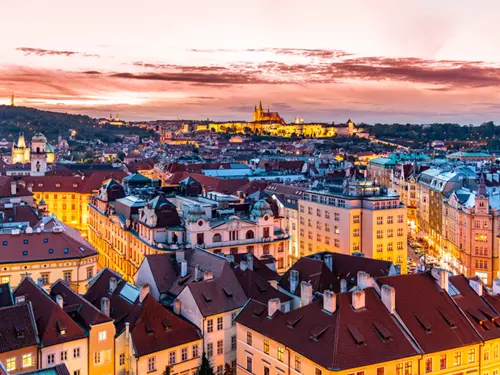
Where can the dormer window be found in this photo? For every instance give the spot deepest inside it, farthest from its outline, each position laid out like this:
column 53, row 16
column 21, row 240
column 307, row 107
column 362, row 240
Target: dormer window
column 61, row 327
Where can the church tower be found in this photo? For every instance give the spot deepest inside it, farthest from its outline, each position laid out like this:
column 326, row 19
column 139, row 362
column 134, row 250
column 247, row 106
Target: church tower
column 38, row 155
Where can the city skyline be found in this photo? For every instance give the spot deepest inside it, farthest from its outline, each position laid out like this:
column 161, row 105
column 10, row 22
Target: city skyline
column 420, row 61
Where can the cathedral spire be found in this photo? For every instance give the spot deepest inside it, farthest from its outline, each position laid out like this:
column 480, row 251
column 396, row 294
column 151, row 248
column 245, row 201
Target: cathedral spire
column 260, row 106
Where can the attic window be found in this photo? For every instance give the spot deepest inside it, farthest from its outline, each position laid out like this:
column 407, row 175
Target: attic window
column 491, row 317
column 382, row 330
column 317, row 332
column 82, row 249
column 75, row 185
column 25, row 252
column 51, row 251
column 40, row 184
column 448, row 318
column 20, row 329
column 356, row 335
column 207, row 297
column 25, row 242
column 426, row 325
column 5, row 243
column 227, row 292
column 293, row 323
column 166, row 325
column 58, row 185
column 478, row 317
column 45, row 240
column 61, row 327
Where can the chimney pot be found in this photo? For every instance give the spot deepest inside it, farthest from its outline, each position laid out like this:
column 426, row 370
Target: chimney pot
column 358, row 299
column 112, row 284
column 184, row 268
column 105, row 306
column 250, row 261
column 39, row 281
column 13, row 187
column 273, row 305
column 179, row 255
column 294, row 280
column 477, row 286
column 329, row 301
column 230, row 258
column 362, row 279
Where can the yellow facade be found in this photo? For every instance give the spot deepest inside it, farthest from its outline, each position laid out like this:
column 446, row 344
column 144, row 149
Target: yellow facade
column 101, row 347
column 273, row 128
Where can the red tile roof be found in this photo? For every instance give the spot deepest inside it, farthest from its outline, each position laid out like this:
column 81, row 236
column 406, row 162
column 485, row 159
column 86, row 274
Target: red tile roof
column 51, row 319
column 17, row 327
column 346, row 339
column 5, row 189
column 438, row 324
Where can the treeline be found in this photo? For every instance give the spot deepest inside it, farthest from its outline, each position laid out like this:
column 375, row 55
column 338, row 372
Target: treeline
column 52, row 124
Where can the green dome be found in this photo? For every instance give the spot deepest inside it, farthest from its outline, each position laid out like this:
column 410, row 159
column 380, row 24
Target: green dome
column 49, row 149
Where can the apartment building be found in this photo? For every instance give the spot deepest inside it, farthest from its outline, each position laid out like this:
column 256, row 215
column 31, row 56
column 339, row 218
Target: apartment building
column 358, row 216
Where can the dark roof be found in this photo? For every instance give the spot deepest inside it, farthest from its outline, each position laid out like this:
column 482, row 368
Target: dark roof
column 76, row 306
column 259, row 266
column 346, row 339
column 51, row 319
column 17, row 213
column 60, row 369
column 312, row 270
column 438, row 324
column 17, row 327
column 6, row 297
column 476, row 308
column 6, row 191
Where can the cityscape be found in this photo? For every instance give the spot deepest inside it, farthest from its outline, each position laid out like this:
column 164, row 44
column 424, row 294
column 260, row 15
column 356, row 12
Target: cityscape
column 182, row 194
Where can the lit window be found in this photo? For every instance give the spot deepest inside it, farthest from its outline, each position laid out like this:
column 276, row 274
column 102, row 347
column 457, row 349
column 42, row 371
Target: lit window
column 11, row 364
column 102, row 335
column 27, row 360
column 428, row 365
column 266, row 346
column 457, row 359
column 281, row 354
column 297, row 363
column 472, row 355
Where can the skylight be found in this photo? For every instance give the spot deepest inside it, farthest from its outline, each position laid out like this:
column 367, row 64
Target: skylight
column 129, row 293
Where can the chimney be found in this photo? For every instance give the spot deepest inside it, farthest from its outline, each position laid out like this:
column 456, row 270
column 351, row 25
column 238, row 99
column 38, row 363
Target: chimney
column 329, row 301
column 105, row 306
column 13, row 187
column 144, row 292
column 343, row 286
column 230, row 258
column 441, row 276
column 273, row 305
column 250, row 261
column 127, row 330
column 477, row 286
column 184, row 268
column 60, row 301
column 177, row 306
column 112, row 284
column 496, row 286
column 294, row 280
column 389, row 298
column 358, row 299
column 243, row 265
column 306, row 293
column 39, row 282
column 179, row 256
column 328, row 261
column 197, row 273
column 208, row 275
column 362, row 279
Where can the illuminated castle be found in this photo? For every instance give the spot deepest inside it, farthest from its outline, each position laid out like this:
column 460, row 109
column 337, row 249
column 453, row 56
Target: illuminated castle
column 260, row 115
column 21, row 153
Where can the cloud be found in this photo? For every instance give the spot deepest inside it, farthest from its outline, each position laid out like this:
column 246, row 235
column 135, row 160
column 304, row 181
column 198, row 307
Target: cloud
column 49, row 52
column 199, row 77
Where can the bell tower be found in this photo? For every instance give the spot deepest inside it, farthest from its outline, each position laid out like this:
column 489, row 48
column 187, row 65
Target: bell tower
column 38, row 155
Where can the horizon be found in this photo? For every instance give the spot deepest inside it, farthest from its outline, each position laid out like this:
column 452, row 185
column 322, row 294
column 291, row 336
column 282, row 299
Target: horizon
column 418, row 61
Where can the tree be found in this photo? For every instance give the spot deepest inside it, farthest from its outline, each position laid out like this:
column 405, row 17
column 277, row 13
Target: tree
column 228, row 370
column 205, row 368
column 120, row 155
column 167, row 371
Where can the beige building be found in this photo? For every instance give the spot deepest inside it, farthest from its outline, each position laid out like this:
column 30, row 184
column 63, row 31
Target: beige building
column 359, row 216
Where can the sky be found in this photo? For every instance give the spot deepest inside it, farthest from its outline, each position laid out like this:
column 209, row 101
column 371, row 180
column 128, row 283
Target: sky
column 386, row 61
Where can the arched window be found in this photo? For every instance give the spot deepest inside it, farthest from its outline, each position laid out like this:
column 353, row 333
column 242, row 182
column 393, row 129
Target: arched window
column 250, row 234
column 38, row 149
column 217, row 237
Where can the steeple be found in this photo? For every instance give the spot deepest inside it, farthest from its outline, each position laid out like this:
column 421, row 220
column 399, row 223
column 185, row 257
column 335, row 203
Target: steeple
column 260, row 106
column 21, row 143
column 481, row 189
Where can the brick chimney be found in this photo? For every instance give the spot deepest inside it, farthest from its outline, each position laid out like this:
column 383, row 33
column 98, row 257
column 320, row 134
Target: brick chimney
column 294, row 280
column 477, row 286
column 441, row 276
column 105, row 306
column 389, row 298
column 329, row 301
column 184, row 268
column 306, row 293
column 273, row 305
column 358, row 299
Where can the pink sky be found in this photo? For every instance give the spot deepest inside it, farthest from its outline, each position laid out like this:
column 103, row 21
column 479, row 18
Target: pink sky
column 372, row 61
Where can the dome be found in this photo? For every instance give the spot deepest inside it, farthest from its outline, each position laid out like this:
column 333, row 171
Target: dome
column 261, row 208
column 49, row 149
column 195, row 213
column 39, row 137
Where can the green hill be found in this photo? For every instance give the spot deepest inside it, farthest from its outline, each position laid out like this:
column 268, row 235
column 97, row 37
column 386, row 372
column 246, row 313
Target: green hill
column 30, row 120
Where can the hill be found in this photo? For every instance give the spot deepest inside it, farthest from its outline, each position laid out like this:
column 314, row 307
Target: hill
column 30, row 120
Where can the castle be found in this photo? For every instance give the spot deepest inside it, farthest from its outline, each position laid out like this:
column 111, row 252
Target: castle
column 23, row 154
column 260, row 115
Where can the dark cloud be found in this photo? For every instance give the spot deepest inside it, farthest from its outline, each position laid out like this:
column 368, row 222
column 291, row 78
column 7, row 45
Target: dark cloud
column 49, row 52
column 194, row 76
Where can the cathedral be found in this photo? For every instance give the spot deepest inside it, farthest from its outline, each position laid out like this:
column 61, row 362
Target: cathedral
column 21, row 153
column 260, row 115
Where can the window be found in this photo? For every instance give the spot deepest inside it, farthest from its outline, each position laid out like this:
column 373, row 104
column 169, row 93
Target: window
column 267, row 371
column 380, row 234
column 249, row 364
column 457, row 359
column 210, row 325
column 76, row 353
column 389, row 246
column 336, row 242
column 390, row 233
column 337, row 217
column 219, row 370
column 281, row 353
column 210, row 350
column 399, row 369
column 76, row 372
column 64, row 356
column 97, row 358
column 102, row 335
column 379, row 220
column 400, row 245
column 355, row 219
column 220, row 323
column 408, row 368
column 233, row 322
column 495, row 351
column 318, row 371
column 90, row 272
column 355, row 233
column 11, row 364
column 122, row 359
column 400, row 232
column 472, row 355
column 184, row 354
column 266, row 346
column 327, row 215
column 428, row 365
column 380, row 248
column 297, row 363
column 318, row 212
column 27, row 360
column 249, row 338
column 380, row 370
column 51, row 358
column 151, row 364
column 390, row 219
column 486, row 354
column 171, row 358
column 400, row 218
column 5, row 279
column 327, row 227
column 195, row 351
column 67, row 276
column 233, row 342
column 220, row 347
